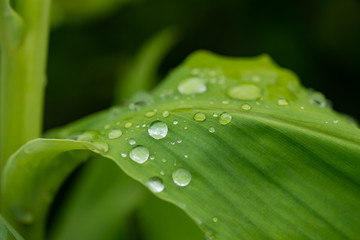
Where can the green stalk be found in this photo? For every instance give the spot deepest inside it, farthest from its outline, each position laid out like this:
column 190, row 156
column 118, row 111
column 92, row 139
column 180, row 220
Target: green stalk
column 23, row 45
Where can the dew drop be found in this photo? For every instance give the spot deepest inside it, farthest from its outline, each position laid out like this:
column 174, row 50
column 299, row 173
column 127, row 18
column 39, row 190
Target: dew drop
column 165, row 114
column 155, row 184
column 200, row 117
column 181, row 177
column 245, row 107
column 225, row 102
column 175, row 122
column 123, row 155
column 158, row 130
column 115, row 133
column 215, row 115
column 192, row 86
column 244, row 92
column 215, row 219
column 139, row 154
column 162, row 173
column 150, row 114
column 211, row 129
column 128, row 125
column 335, row 121
column 282, row 102
column 107, row 126
column 100, row 147
column 225, row 118
column 132, row 142
column 88, row 136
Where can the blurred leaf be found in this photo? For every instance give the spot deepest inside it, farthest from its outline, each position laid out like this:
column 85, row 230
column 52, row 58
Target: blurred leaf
column 268, row 159
column 141, row 75
column 7, row 232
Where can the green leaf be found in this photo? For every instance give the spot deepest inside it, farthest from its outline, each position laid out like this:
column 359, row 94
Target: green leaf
column 7, row 232
column 268, row 159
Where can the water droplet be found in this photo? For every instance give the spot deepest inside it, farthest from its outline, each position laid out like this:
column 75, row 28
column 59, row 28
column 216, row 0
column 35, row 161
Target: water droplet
column 179, row 141
column 172, row 143
column 100, row 147
column 152, row 157
column 259, row 75
column 88, row 136
column 186, row 156
column 211, row 129
column 158, row 130
column 225, row 118
column 128, row 125
column 215, row 219
column 155, row 184
column 107, row 126
column 163, row 160
column 139, row 154
column 225, row 102
column 162, row 173
column 165, row 114
column 123, row 155
column 200, row 117
column 175, row 122
column 335, row 121
column 185, row 128
column 181, row 177
column 150, row 114
column 244, row 92
column 215, row 115
column 192, row 86
column 318, row 99
column 282, row 102
column 115, row 133
column 245, row 107
column 302, row 107
column 132, row 142
column 118, row 123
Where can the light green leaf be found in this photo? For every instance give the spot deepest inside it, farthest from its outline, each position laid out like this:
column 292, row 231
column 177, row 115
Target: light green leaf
column 268, row 159
column 7, row 232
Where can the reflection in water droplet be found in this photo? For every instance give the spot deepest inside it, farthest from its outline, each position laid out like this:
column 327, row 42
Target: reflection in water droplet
column 132, row 142
column 139, row 154
column 225, row 118
column 155, row 184
column 211, row 129
column 115, row 133
column 200, row 117
column 158, row 130
column 244, row 92
column 245, row 107
column 282, row 102
column 192, row 86
column 181, row 177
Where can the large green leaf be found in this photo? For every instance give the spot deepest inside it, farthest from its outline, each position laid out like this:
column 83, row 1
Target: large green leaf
column 268, row 159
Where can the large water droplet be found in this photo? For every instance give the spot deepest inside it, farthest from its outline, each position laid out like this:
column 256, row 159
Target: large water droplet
column 158, row 130
column 155, row 184
column 115, row 133
column 139, row 154
column 244, row 92
column 200, row 117
column 181, row 177
column 192, row 86
column 225, row 118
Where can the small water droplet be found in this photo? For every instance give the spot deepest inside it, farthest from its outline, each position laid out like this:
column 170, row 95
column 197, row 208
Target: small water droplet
column 139, row 154
column 132, row 142
column 155, row 184
column 88, row 136
column 215, row 115
column 175, row 122
column 225, row 118
column 225, row 102
column 192, row 86
column 158, row 130
column 335, row 121
column 118, row 123
column 302, row 107
column 244, row 92
column 179, row 141
column 163, row 160
column 245, row 107
column 123, row 155
column 162, row 173
column 181, row 177
column 172, row 143
column 282, row 102
column 211, row 129
column 152, row 158
column 215, row 219
column 115, row 133
column 185, row 128
column 128, row 125
column 186, row 156
column 200, row 117
column 165, row 114
column 100, row 147
column 150, row 114
column 107, row 126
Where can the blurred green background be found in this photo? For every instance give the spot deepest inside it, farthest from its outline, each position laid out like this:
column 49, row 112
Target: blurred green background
column 92, row 43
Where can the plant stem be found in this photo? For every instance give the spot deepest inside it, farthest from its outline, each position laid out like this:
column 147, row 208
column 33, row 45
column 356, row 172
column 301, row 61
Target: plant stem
column 23, row 44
